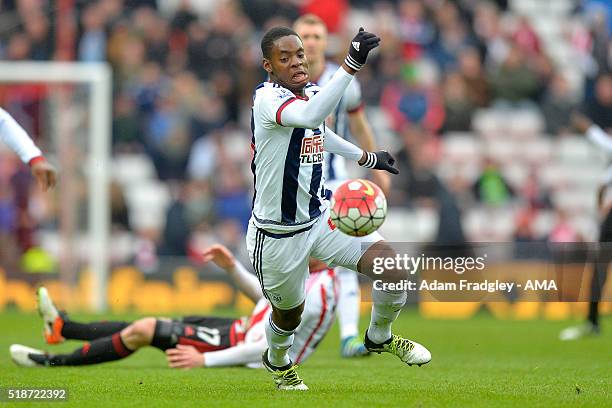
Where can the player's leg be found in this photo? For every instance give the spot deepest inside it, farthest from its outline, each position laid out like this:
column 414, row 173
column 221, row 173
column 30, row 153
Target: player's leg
column 349, row 298
column 280, row 333
column 386, row 307
column 110, row 348
column 600, row 272
column 318, row 317
column 281, row 264
column 59, row 327
column 338, row 249
column 603, row 258
column 598, row 281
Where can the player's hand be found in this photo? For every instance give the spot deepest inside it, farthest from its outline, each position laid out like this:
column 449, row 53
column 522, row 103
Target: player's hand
column 382, row 180
column 580, row 122
column 360, row 47
column 44, row 173
column 220, row 255
column 380, row 160
column 184, row 357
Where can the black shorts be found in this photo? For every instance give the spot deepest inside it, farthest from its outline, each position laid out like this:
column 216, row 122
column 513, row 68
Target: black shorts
column 204, row 333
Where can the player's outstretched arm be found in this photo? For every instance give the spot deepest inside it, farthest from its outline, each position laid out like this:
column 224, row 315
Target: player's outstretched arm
column 295, row 112
column 242, row 354
column 379, row 160
column 246, row 281
column 593, row 132
column 13, row 135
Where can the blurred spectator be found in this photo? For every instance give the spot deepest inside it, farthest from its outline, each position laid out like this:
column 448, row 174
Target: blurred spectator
column 24, row 224
column 92, row 45
column 477, row 86
column 527, row 245
column 183, row 16
column 489, row 32
column 557, row 106
column 126, row 132
column 259, row 11
column 536, row 196
column 458, row 108
column 600, row 32
column 563, row 230
column 147, row 90
column 213, row 48
column 491, row 188
column 526, row 38
column 232, row 195
column 452, row 37
column 176, row 233
column 599, row 109
column 120, row 219
column 514, row 81
column 450, row 225
column 412, row 101
column 202, row 159
column 37, row 28
column 199, row 203
column 418, row 185
column 601, row 7
column 19, row 47
column 416, row 31
column 156, row 38
column 524, row 227
column 332, row 12
column 170, row 156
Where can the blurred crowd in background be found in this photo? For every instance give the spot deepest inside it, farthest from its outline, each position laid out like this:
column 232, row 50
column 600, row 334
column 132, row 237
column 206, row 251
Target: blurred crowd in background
column 183, row 77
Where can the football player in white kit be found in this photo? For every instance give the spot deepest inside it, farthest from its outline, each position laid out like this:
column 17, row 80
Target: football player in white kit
column 603, row 141
column 192, row 341
column 290, row 220
column 15, row 137
column 347, row 119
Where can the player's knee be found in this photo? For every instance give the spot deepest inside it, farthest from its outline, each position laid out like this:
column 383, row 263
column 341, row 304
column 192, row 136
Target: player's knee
column 139, row 333
column 372, row 263
column 288, row 319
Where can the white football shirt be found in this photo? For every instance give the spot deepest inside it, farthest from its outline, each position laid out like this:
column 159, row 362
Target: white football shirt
column 287, row 163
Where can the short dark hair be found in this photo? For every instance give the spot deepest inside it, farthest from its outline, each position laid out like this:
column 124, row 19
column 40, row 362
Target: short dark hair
column 273, row 34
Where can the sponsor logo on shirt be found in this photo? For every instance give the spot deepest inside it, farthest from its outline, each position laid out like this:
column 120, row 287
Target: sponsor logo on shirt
column 312, row 149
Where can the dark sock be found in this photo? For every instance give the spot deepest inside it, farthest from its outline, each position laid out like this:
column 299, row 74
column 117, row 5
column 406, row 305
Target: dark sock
column 98, row 351
column 90, row 331
column 594, row 313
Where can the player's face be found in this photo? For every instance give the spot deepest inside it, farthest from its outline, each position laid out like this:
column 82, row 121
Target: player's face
column 314, row 37
column 287, row 64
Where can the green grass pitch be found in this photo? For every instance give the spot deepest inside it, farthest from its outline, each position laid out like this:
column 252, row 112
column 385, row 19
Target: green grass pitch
column 481, row 362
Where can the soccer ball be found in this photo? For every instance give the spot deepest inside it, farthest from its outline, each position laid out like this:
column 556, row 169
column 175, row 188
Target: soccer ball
column 358, row 207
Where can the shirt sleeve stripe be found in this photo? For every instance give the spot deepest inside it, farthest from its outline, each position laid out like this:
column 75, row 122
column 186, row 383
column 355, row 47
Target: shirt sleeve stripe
column 281, row 108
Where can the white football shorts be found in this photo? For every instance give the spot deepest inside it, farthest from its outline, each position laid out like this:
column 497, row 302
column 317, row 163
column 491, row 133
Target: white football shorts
column 281, row 260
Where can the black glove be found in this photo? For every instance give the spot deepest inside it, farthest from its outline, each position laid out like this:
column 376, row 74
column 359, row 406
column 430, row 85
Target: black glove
column 380, row 160
column 361, row 45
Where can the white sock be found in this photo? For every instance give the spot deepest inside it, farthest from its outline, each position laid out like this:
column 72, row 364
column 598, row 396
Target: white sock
column 385, row 309
column 279, row 341
column 349, row 298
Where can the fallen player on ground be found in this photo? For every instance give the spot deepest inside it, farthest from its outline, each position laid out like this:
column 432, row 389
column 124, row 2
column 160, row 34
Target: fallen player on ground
column 193, row 341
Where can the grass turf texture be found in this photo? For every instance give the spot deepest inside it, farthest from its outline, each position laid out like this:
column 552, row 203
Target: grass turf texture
column 478, row 362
